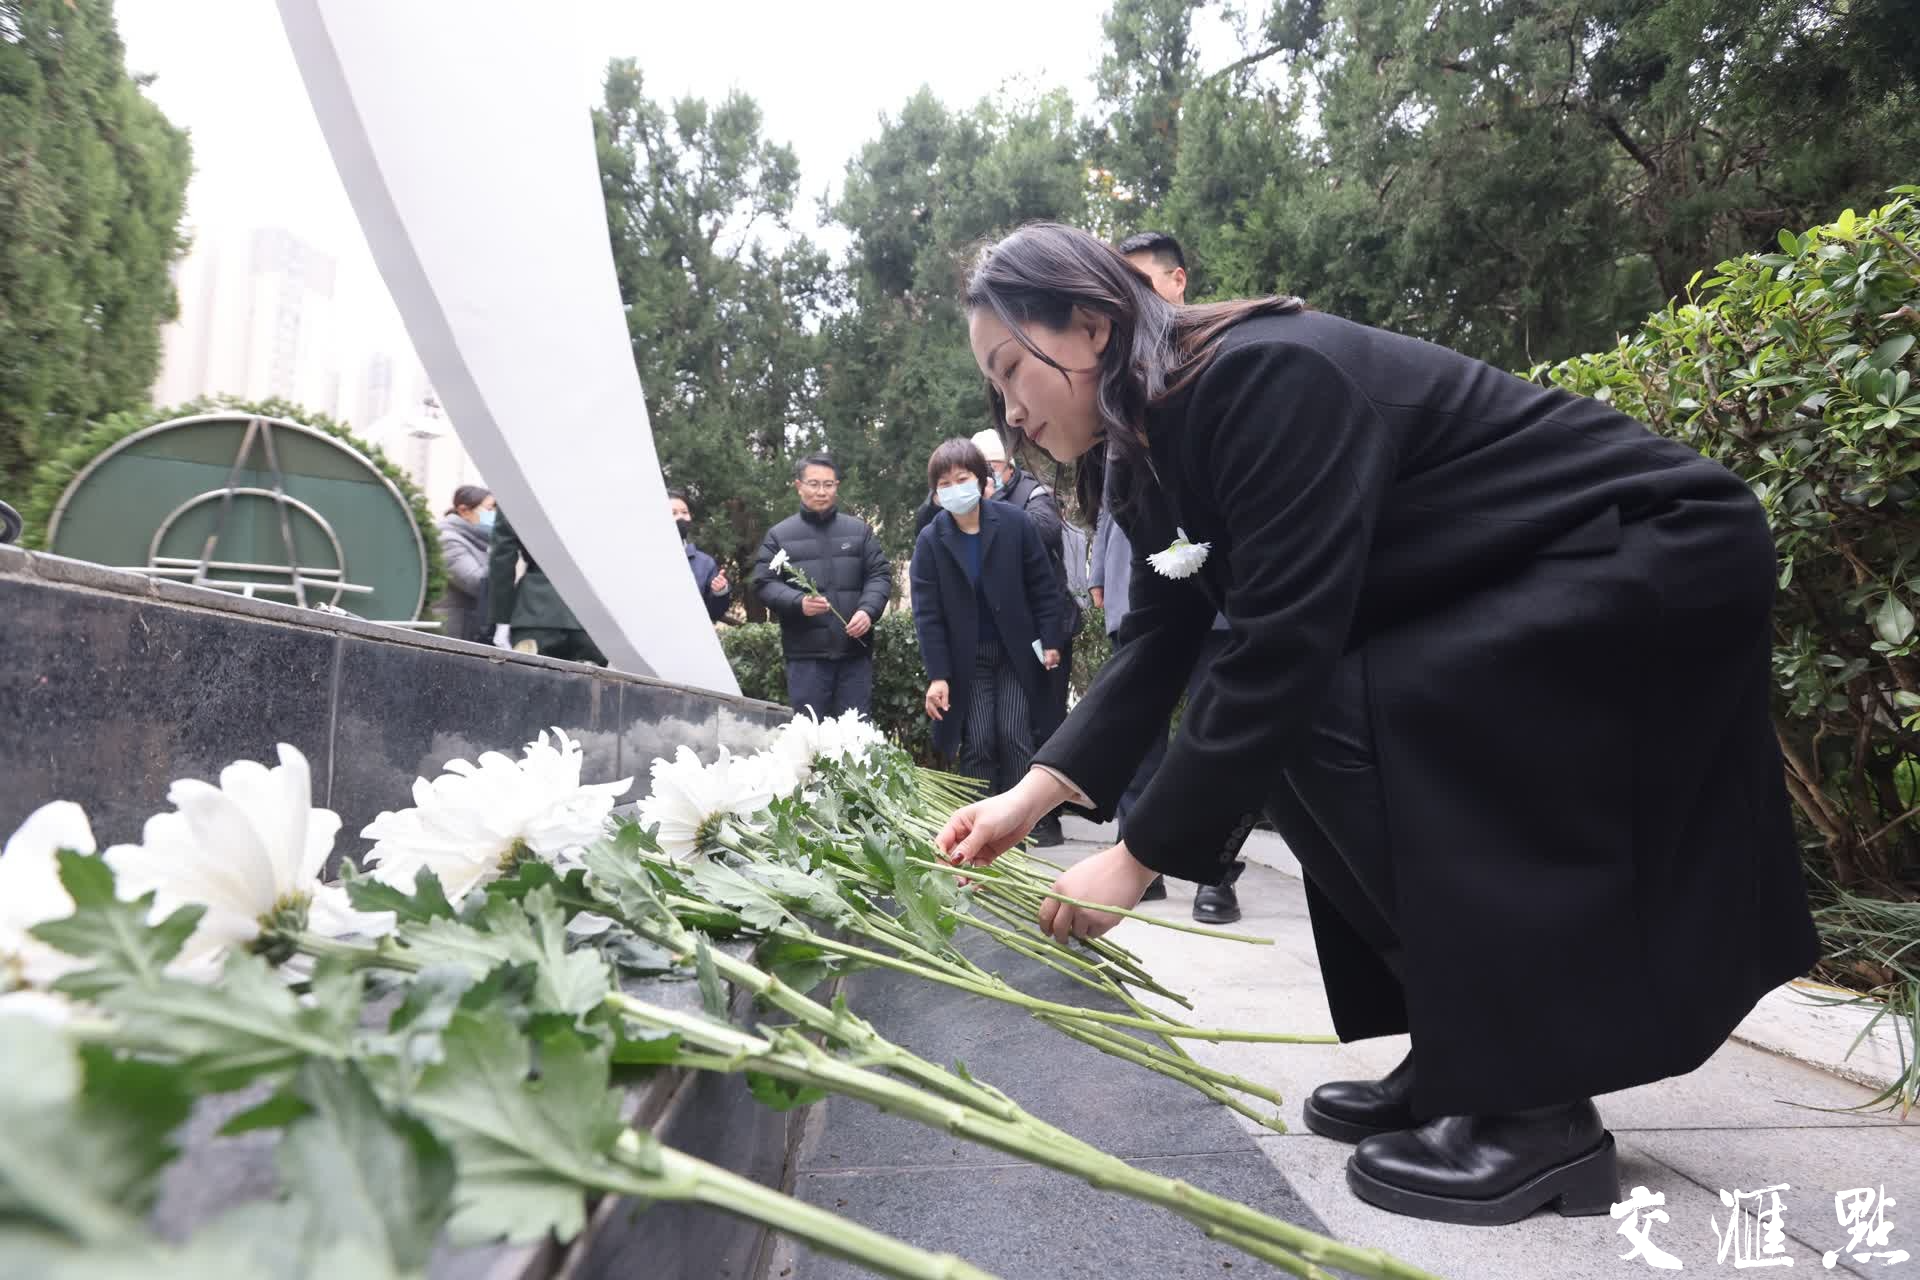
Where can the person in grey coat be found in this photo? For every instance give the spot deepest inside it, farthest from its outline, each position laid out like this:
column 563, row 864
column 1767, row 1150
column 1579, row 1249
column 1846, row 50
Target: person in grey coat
column 465, row 531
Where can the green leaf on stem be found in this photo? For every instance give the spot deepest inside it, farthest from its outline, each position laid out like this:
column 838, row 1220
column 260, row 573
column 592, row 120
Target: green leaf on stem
column 782, row 1095
column 249, row 1026
column 644, row 1046
column 713, row 992
column 112, row 935
column 816, row 895
column 83, row 1137
column 529, row 932
column 428, row 901
column 528, row 1147
column 801, row 965
column 361, row 1169
column 277, row 1112
column 720, row 883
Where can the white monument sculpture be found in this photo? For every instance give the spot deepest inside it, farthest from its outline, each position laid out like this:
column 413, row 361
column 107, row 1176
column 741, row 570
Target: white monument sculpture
column 461, row 136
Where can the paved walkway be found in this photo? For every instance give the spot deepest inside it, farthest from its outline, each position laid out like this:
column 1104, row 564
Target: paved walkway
column 1746, row 1120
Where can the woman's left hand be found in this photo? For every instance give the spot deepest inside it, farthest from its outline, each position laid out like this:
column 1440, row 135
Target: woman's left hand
column 1112, row 876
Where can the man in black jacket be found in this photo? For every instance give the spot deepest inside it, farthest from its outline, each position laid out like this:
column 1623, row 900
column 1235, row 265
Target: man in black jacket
column 827, row 637
column 1023, row 490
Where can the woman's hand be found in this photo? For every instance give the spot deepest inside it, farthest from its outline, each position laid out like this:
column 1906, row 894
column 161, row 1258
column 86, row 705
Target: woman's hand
column 938, row 699
column 981, row 832
column 1111, row 876
column 1050, row 658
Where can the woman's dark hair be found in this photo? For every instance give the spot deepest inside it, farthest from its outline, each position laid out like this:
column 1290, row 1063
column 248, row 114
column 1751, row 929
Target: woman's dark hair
column 469, row 496
column 1040, row 273
column 682, row 495
column 957, row 452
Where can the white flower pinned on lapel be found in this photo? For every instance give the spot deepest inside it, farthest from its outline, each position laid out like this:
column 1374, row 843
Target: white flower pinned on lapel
column 1181, row 560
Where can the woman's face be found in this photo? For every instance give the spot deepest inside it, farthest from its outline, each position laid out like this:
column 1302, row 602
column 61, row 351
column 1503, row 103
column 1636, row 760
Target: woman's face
column 472, row 514
column 1053, row 410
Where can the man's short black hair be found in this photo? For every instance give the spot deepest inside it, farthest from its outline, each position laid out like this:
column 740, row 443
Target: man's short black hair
column 1164, row 248
column 815, row 460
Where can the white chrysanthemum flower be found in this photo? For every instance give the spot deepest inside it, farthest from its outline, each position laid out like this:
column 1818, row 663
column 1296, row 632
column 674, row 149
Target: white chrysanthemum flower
column 250, row 851
column 1181, row 560
column 31, row 892
column 469, row 825
column 692, row 802
column 851, row 738
column 780, row 561
column 48, row 1006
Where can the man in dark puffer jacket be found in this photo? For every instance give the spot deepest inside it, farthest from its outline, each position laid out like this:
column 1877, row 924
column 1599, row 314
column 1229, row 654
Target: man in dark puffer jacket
column 829, row 662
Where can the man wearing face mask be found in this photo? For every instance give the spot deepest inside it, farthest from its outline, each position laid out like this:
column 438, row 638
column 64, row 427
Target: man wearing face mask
column 1023, row 491
column 987, row 612
column 715, row 591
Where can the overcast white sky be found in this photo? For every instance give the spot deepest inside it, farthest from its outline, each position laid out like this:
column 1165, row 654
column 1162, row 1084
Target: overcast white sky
column 822, row 72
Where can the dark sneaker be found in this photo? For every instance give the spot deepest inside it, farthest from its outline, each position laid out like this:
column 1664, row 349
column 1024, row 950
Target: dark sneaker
column 1155, row 891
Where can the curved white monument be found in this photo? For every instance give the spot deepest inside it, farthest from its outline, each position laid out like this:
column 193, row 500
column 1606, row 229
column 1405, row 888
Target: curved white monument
column 460, row 134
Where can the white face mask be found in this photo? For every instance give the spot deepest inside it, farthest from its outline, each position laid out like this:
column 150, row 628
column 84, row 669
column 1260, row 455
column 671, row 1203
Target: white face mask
column 960, row 498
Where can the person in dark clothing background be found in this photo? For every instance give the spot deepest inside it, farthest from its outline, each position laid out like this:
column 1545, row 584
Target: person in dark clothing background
column 829, row 663
column 715, row 591
column 1158, row 256
column 1498, row 667
column 466, row 533
column 539, row 621
column 988, row 619
column 1023, row 491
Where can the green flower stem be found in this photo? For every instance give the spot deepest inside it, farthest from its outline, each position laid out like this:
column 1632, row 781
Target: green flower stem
column 1036, row 1005
column 683, row 1177
column 1130, row 1050
column 792, row 1057
column 986, row 873
column 1103, row 970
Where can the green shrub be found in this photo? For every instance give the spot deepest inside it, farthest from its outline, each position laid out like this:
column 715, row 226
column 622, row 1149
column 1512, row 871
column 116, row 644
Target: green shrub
column 1796, row 370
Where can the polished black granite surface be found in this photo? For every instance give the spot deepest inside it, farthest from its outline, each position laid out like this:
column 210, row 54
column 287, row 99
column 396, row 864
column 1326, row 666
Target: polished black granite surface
column 110, row 689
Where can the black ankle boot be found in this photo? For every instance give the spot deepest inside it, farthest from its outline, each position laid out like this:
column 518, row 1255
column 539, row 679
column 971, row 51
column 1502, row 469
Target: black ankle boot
column 1491, row 1170
column 1156, row 890
column 1349, row 1110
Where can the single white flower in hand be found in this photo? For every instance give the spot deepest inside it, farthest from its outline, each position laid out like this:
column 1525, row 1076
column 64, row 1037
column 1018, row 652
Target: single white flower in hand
column 1181, row 560
column 692, row 803
column 472, row 823
column 780, row 561
column 31, row 892
column 250, row 851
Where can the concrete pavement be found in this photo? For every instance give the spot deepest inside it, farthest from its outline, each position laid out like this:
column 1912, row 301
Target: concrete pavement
column 1746, row 1120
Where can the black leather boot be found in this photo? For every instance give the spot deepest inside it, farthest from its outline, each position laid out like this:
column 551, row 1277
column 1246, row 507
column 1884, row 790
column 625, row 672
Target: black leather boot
column 1218, row 903
column 1155, row 890
column 1349, row 1110
column 1491, row 1170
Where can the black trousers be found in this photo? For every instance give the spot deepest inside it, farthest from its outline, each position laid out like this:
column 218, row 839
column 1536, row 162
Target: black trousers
column 996, row 738
column 1329, row 808
column 831, row 685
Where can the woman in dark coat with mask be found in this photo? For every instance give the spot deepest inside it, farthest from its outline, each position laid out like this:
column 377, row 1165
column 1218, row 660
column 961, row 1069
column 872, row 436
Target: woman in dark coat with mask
column 987, row 611
column 1497, row 668
column 465, row 533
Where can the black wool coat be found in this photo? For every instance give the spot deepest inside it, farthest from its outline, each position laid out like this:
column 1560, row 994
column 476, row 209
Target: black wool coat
column 1564, row 620
column 845, row 560
column 1020, row 588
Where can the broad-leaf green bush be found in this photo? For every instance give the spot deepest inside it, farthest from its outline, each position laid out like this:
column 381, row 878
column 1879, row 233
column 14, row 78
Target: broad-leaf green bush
column 1796, row 369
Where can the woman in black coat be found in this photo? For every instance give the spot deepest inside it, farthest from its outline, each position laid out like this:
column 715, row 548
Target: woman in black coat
column 1497, row 669
column 987, row 611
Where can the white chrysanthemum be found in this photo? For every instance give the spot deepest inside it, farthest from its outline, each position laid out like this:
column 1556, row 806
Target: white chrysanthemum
column 1181, row 560
column 471, row 823
column 250, row 851
column 31, row 892
column 780, row 561
column 805, row 740
column 849, row 736
column 48, row 1006
column 691, row 802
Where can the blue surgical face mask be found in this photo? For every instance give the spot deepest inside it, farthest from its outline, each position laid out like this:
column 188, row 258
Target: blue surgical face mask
column 960, row 498
column 485, row 517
